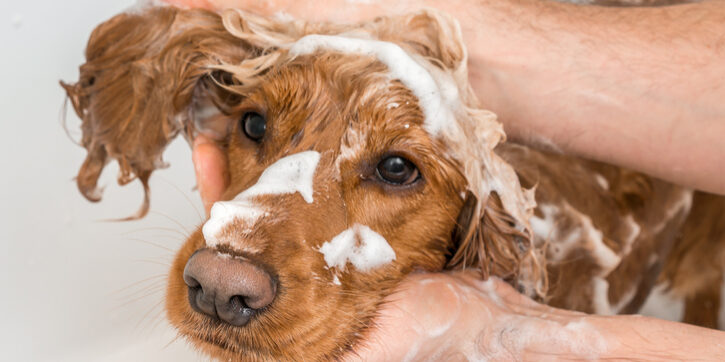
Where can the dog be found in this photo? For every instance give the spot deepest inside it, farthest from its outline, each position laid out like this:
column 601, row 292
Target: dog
column 357, row 155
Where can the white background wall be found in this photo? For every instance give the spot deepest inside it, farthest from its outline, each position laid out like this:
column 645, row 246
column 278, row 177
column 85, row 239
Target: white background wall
column 72, row 287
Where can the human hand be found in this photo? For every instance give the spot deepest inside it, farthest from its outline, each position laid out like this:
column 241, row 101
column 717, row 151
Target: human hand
column 325, row 10
column 210, row 168
column 457, row 316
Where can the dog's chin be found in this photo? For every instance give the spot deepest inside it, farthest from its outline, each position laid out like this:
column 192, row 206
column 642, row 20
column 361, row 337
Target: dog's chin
column 225, row 351
column 219, row 349
column 227, row 343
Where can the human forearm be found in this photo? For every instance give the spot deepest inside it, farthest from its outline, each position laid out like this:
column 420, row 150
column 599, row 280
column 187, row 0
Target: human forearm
column 639, row 87
column 637, row 338
column 455, row 316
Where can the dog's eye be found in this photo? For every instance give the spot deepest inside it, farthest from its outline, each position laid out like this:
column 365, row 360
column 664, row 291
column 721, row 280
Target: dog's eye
column 398, row 171
column 254, row 125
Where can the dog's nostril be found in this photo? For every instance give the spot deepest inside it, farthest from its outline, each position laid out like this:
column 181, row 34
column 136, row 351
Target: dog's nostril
column 192, row 283
column 230, row 289
column 236, row 312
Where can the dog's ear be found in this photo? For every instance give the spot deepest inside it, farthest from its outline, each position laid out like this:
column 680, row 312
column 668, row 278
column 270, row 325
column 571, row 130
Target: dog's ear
column 491, row 241
column 143, row 70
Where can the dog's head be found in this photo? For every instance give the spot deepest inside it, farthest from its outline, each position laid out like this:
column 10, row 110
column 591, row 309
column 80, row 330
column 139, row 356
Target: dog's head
column 356, row 155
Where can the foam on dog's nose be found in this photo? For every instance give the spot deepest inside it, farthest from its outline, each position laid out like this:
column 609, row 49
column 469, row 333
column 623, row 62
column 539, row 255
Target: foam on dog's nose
column 288, row 175
column 360, row 246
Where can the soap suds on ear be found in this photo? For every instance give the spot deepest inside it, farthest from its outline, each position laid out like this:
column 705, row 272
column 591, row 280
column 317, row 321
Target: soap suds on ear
column 291, row 174
column 360, row 246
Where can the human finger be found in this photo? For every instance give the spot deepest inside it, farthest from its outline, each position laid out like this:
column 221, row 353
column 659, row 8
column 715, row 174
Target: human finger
column 210, row 168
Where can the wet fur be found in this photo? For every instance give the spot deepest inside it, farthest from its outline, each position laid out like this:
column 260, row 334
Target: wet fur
column 148, row 75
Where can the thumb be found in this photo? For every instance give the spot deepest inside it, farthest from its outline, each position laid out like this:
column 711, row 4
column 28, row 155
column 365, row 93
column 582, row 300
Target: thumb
column 210, row 167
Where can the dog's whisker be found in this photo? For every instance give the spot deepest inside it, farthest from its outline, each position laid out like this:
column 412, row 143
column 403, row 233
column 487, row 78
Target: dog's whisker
column 139, row 298
column 173, row 238
column 152, row 228
column 186, row 197
column 176, row 222
column 151, row 310
column 158, row 319
column 152, row 244
column 173, row 339
column 142, row 281
column 155, row 286
column 165, row 264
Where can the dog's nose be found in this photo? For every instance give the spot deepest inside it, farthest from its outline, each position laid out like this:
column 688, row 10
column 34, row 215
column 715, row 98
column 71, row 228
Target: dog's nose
column 230, row 288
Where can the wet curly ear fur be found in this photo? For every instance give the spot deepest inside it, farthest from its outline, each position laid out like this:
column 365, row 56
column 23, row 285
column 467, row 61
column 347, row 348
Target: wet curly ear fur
column 144, row 69
column 133, row 96
column 494, row 244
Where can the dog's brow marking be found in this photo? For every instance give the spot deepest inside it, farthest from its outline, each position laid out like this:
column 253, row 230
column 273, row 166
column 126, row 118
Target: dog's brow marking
column 294, row 173
column 359, row 245
column 433, row 98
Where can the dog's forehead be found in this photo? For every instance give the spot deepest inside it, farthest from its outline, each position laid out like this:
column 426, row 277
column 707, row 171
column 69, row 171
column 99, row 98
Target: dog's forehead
column 338, row 92
column 436, row 94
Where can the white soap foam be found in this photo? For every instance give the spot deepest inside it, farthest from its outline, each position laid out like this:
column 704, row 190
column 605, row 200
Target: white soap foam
column 634, row 230
column 586, row 236
column 605, row 256
column 544, row 228
column 684, row 204
column 224, row 213
column 284, row 16
column 288, row 175
column 360, row 246
column 600, row 296
column 662, row 303
column 602, row 181
column 433, row 98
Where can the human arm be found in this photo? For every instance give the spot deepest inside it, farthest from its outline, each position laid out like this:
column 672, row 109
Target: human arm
column 491, row 321
column 640, row 88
